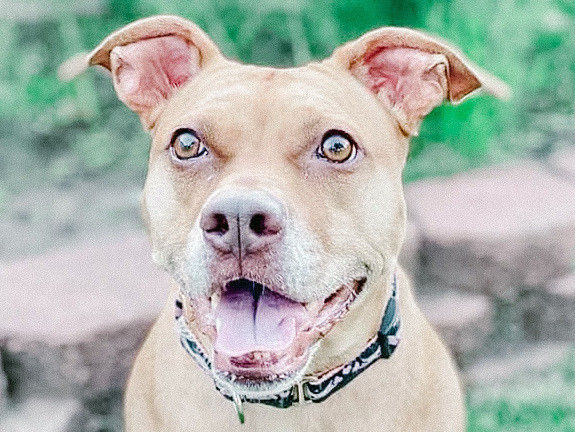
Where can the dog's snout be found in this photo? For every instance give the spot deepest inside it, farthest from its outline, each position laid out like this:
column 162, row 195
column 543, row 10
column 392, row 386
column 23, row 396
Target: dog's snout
column 242, row 221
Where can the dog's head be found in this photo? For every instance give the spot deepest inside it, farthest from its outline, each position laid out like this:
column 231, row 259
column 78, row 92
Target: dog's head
column 274, row 196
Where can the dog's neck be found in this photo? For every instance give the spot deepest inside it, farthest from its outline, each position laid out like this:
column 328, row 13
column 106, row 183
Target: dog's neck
column 311, row 388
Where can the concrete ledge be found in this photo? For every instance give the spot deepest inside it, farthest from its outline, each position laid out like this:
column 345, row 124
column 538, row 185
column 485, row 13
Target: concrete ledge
column 464, row 321
column 496, row 229
column 534, row 357
column 40, row 415
column 563, row 162
column 550, row 314
column 77, row 316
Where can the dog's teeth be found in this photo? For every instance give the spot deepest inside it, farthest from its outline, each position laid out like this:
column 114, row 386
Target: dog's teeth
column 215, row 300
column 260, row 356
column 313, row 307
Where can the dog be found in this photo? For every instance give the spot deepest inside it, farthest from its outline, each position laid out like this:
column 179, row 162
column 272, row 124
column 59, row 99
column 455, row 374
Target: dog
column 274, row 199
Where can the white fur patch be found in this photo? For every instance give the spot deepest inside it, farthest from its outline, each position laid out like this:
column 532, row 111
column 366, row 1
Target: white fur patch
column 160, row 202
column 195, row 268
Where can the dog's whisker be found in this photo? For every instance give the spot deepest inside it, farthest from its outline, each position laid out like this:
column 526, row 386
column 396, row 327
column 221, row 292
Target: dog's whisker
column 351, row 291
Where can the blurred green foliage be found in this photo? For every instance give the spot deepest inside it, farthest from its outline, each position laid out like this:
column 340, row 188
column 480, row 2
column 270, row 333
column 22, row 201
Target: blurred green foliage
column 534, row 401
column 79, row 128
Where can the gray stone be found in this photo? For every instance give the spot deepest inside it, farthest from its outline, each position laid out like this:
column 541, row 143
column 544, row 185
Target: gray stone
column 76, row 211
column 507, row 365
column 77, row 317
column 550, row 313
column 463, row 320
column 39, row 415
column 3, row 387
column 496, row 229
column 101, row 412
column 563, row 162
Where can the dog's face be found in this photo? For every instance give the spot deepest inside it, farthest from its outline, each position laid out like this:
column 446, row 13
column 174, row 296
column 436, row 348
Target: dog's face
column 274, row 196
column 274, row 203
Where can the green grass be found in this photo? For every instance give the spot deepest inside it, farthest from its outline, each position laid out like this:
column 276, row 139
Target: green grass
column 503, row 416
column 532, row 401
column 529, row 43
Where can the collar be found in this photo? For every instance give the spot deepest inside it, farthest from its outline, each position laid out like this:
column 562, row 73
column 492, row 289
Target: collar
column 313, row 388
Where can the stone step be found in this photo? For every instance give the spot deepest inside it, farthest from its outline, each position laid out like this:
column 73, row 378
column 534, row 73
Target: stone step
column 549, row 312
column 463, row 320
column 3, row 386
column 517, row 361
column 496, row 229
column 77, row 316
column 563, row 162
column 529, row 386
column 39, row 415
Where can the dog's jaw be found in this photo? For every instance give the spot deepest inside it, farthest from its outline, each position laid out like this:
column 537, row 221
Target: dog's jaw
column 263, row 342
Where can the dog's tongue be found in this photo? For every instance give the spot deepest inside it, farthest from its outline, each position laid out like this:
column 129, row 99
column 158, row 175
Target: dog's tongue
column 251, row 318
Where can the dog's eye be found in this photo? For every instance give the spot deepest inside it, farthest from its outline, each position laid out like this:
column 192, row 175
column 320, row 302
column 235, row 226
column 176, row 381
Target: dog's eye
column 337, row 147
column 187, row 144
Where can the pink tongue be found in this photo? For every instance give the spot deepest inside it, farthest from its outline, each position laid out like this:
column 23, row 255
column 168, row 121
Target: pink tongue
column 244, row 325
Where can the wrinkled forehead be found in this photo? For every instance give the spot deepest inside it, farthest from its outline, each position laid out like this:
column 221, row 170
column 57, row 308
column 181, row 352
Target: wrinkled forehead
column 265, row 96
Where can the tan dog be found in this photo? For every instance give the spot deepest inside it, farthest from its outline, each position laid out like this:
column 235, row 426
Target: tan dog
column 274, row 199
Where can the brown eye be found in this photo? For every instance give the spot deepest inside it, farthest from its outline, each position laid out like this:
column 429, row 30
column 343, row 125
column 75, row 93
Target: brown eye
column 187, row 144
column 337, row 147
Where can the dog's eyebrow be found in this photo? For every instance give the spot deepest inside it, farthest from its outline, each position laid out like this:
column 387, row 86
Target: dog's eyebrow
column 318, row 124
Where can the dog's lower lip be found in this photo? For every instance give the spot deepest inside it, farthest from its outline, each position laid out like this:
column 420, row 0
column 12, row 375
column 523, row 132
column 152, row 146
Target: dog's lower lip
column 252, row 376
column 256, row 358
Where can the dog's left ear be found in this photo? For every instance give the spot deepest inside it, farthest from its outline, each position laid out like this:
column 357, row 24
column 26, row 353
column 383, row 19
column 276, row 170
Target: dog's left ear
column 411, row 72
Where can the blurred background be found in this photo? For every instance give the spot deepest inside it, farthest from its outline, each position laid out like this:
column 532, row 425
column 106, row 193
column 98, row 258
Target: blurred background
column 490, row 188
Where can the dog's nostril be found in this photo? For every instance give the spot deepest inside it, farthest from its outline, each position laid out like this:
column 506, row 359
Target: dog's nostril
column 217, row 224
column 258, row 224
column 264, row 225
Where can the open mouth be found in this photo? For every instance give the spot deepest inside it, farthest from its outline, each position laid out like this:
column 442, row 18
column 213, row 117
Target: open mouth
column 262, row 339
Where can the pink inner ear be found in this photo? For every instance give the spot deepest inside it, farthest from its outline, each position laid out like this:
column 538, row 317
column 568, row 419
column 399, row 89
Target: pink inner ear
column 146, row 72
column 413, row 81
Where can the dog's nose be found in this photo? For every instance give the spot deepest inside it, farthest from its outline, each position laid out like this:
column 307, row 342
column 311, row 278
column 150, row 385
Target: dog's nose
column 242, row 221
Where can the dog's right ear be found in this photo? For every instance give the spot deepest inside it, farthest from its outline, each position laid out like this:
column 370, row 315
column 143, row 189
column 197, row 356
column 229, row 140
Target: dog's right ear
column 149, row 60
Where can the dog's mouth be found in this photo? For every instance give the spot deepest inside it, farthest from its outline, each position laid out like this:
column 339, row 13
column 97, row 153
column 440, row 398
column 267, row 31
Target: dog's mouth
column 262, row 339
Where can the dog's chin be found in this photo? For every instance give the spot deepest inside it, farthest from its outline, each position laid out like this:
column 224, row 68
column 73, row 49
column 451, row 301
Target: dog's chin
column 259, row 382
column 262, row 341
